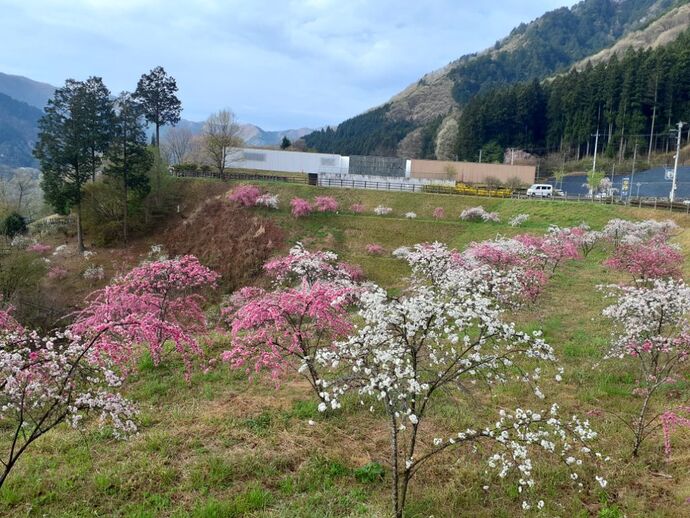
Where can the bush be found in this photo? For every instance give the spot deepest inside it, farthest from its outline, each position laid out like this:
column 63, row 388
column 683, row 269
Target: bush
column 300, row 207
column 227, row 239
column 245, row 195
column 14, row 224
column 514, row 183
column 326, row 204
column 493, row 182
column 479, row 214
column 357, row 208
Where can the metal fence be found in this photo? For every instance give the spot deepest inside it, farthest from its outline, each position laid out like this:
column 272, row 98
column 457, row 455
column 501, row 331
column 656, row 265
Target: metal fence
column 641, row 202
column 257, row 177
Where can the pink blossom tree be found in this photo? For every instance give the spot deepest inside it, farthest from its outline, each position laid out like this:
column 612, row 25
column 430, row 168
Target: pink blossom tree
column 326, row 204
column 245, row 195
column 282, row 330
column 300, row 207
column 154, row 303
column 652, row 331
column 51, row 379
column 645, row 261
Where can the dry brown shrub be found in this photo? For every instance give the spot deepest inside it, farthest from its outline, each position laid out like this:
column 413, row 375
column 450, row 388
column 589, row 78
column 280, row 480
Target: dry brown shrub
column 226, row 238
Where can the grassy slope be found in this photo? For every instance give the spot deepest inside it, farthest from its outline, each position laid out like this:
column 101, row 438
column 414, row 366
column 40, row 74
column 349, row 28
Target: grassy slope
column 221, row 446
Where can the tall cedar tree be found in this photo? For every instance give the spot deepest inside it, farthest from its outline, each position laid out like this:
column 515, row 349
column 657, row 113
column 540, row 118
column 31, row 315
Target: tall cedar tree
column 98, row 106
column 156, row 94
column 71, row 137
column 128, row 158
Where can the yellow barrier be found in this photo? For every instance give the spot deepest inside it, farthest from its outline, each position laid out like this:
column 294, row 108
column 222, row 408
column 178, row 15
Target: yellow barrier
column 462, row 188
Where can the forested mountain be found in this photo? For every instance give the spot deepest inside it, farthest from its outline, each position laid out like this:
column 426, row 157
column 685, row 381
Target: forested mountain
column 26, row 90
column 18, row 128
column 548, row 45
column 632, row 101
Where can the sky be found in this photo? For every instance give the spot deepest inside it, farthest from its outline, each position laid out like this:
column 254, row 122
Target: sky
column 277, row 64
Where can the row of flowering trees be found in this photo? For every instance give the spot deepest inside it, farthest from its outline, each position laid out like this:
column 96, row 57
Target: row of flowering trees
column 69, row 374
column 252, row 196
column 445, row 334
column 650, row 322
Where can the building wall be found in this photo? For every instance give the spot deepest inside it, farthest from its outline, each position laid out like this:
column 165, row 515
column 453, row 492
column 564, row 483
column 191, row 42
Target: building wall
column 287, row 161
column 470, row 172
column 377, row 166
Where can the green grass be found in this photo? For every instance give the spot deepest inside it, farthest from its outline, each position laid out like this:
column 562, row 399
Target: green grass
column 222, row 446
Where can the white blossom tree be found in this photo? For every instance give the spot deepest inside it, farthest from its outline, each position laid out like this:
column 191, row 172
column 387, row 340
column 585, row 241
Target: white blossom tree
column 651, row 328
column 448, row 337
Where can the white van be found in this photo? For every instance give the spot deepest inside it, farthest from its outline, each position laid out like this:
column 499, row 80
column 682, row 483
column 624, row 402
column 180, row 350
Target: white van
column 542, row 190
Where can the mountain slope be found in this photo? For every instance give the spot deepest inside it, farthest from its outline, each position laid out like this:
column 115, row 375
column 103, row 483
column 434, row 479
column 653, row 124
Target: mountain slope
column 18, row 128
column 658, row 33
column 549, row 44
column 26, row 90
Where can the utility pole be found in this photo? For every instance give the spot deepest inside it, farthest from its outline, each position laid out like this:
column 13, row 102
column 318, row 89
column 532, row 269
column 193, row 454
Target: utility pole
column 632, row 175
column 596, row 146
column 480, row 156
column 675, row 167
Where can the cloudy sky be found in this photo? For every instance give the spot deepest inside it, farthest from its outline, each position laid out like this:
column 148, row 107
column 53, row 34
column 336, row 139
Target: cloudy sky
column 278, row 64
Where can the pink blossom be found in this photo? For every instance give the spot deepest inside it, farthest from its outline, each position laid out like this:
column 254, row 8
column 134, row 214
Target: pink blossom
column 281, row 330
column 647, row 260
column 7, row 321
column 671, row 420
column 439, row 213
column 245, row 195
column 300, row 207
column 357, row 208
column 39, row 248
column 325, row 204
column 153, row 303
column 48, row 380
column 375, row 249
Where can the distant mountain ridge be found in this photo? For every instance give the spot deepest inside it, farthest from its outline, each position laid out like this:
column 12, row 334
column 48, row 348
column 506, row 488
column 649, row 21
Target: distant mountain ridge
column 18, row 129
column 548, row 45
column 26, row 90
column 21, row 105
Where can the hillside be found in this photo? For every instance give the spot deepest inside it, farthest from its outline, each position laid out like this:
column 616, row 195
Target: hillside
column 220, row 445
column 549, row 44
column 18, row 128
column 26, row 90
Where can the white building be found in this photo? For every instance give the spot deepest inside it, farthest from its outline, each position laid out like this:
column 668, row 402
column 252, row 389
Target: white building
column 287, row 161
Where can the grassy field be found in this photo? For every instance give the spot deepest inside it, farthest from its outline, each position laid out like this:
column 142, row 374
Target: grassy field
column 221, row 446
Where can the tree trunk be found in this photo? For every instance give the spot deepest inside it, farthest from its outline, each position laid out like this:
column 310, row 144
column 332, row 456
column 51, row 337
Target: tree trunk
column 80, row 230
column 124, row 218
column 394, row 466
column 158, row 163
